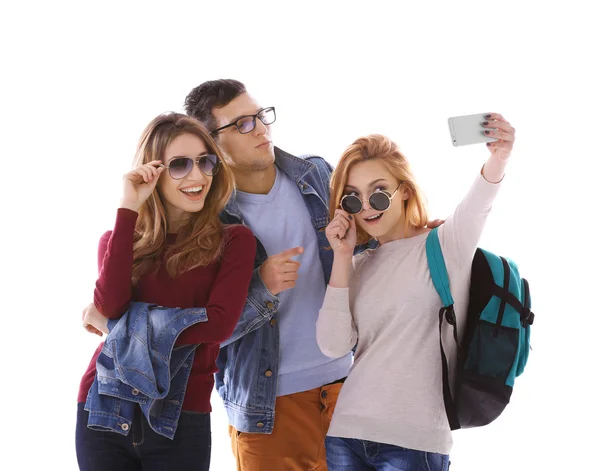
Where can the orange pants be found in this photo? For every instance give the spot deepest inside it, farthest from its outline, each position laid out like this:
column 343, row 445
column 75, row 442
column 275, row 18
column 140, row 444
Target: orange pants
column 298, row 439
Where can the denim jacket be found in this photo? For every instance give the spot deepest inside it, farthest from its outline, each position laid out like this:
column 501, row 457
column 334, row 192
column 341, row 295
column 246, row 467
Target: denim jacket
column 253, row 349
column 139, row 364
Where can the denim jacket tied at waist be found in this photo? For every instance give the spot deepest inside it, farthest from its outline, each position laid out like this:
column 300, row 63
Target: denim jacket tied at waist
column 139, row 364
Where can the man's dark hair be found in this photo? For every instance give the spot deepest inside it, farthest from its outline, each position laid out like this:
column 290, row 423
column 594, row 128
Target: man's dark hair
column 215, row 93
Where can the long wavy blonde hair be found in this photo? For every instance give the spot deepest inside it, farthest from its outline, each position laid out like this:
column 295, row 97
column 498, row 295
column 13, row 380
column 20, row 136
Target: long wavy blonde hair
column 379, row 147
column 200, row 241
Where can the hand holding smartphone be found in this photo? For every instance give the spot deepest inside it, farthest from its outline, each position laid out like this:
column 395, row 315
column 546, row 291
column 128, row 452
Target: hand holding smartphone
column 468, row 129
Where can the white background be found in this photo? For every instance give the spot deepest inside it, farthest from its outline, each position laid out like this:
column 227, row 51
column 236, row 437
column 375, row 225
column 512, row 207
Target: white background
column 81, row 80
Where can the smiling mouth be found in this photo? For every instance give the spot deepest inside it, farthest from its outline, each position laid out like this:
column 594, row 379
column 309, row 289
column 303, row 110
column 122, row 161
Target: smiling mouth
column 374, row 218
column 264, row 144
column 193, row 192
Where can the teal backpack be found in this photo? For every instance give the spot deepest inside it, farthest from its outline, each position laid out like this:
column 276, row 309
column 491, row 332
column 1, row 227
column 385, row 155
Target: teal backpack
column 495, row 346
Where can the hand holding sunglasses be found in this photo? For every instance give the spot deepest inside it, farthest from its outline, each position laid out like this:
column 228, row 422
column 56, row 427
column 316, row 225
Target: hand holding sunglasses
column 139, row 184
column 341, row 233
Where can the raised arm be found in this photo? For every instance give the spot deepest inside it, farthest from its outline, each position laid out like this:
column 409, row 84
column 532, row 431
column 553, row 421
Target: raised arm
column 463, row 229
column 115, row 252
column 112, row 293
column 229, row 291
column 336, row 332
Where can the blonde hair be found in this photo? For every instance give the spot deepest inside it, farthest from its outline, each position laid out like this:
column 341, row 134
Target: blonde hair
column 200, row 241
column 378, row 147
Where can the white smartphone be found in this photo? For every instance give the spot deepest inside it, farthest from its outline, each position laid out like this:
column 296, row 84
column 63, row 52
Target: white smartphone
column 466, row 130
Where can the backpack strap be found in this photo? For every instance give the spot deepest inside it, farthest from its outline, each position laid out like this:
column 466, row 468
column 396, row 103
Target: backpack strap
column 439, row 276
column 437, row 267
column 524, row 309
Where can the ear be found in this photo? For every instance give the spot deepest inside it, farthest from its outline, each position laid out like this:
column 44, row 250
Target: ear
column 405, row 193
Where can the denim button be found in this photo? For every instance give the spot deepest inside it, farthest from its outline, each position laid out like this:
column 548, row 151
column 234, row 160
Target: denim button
column 268, row 373
column 125, row 427
column 260, row 425
column 135, row 392
column 270, row 306
column 273, row 321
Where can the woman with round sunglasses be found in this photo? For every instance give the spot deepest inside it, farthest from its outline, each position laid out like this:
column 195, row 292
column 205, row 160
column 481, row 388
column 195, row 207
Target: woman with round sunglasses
column 169, row 247
column 390, row 414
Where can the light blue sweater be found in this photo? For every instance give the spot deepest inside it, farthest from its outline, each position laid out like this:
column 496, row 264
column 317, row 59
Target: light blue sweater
column 281, row 221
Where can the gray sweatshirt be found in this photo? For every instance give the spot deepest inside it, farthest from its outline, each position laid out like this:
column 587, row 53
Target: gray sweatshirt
column 393, row 393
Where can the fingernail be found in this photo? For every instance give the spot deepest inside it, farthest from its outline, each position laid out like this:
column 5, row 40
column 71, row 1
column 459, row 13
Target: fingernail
column 487, row 116
column 350, row 216
column 485, row 123
column 488, row 144
column 486, row 131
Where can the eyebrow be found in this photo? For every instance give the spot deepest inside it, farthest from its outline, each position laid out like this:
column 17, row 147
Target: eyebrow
column 201, row 154
column 244, row 115
column 350, row 187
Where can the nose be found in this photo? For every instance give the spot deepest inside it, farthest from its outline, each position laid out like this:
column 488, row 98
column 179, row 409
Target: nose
column 365, row 205
column 260, row 128
column 196, row 175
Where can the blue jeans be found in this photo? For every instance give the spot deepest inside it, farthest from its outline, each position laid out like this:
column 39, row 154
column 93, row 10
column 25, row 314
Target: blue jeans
column 143, row 449
column 349, row 454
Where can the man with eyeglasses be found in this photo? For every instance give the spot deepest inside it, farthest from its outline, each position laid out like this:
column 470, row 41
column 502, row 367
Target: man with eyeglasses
column 279, row 390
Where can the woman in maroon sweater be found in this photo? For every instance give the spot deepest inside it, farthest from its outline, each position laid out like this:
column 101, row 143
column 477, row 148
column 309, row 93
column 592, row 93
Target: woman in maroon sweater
column 169, row 247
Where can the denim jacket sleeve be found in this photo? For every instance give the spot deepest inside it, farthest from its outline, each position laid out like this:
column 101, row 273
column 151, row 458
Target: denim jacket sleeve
column 260, row 307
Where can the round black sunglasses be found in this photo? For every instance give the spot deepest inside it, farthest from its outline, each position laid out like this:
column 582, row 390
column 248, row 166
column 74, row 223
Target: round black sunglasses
column 379, row 200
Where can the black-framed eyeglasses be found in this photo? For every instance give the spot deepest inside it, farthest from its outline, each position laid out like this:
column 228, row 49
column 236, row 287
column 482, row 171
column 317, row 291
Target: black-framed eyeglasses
column 180, row 167
column 379, row 200
column 246, row 124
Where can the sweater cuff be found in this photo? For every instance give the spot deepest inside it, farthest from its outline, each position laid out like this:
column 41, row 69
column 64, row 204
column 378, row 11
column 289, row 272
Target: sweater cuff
column 126, row 218
column 337, row 299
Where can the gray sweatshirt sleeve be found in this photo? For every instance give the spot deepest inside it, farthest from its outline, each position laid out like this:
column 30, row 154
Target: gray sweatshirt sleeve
column 336, row 331
column 461, row 232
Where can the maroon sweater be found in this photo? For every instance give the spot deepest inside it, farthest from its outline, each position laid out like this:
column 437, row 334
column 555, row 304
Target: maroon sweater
column 220, row 287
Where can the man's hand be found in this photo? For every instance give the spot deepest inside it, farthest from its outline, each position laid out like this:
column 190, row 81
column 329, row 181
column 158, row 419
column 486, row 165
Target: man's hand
column 279, row 272
column 93, row 320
